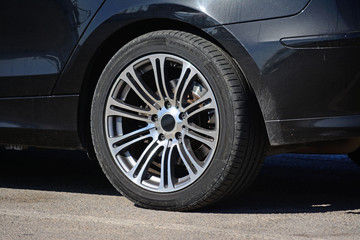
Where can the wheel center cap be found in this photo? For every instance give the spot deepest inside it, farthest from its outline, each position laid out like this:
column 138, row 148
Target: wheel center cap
column 168, row 122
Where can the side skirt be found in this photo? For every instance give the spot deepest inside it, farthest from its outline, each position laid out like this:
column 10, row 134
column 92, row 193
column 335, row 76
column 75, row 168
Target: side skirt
column 46, row 121
column 294, row 131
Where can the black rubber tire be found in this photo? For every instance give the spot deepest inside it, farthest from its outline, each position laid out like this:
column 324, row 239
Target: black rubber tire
column 242, row 137
column 355, row 156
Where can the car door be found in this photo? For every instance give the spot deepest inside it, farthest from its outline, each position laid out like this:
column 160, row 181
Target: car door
column 36, row 40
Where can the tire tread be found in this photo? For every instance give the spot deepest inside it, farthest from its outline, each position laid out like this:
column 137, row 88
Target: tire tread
column 249, row 138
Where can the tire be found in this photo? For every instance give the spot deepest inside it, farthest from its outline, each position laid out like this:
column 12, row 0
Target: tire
column 355, row 156
column 174, row 124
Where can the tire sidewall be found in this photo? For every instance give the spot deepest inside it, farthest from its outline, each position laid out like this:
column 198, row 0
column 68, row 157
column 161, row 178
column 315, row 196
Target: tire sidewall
column 161, row 42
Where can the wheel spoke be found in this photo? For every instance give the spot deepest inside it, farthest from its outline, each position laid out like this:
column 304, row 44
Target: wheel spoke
column 201, row 100
column 128, row 136
column 143, row 160
column 123, row 146
column 187, row 73
column 156, row 63
column 120, row 104
column 207, row 132
column 163, row 78
column 209, row 142
column 144, row 88
column 116, row 112
column 166, row 176
column 138, row 87
column 144, row 163
column 201, row 109
column 190, row 163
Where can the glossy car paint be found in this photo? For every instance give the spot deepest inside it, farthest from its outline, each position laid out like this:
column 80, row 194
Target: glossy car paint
column 49, row 121
column 300, row 58
column 304, row 70
column 126, row 17
column 37, row 38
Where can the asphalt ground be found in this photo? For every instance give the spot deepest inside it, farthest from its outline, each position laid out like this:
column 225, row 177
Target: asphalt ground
column 50, row 194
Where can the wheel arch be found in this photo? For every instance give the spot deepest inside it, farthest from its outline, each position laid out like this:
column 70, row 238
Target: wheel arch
column 118, row 39
column 104, row 53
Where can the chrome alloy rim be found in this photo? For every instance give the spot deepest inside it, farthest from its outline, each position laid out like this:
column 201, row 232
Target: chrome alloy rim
column 162, row 123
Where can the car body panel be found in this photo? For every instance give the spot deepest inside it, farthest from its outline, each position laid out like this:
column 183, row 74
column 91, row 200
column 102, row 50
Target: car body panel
column 307, row 71
column 115, row 15
column 37, row 38
column 46, row 121
column 299, row 57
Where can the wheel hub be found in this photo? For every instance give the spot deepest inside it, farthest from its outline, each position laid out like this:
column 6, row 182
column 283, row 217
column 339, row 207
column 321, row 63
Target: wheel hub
column 169, row 122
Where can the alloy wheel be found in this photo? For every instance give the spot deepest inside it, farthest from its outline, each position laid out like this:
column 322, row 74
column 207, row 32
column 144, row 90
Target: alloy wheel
column 161, row 122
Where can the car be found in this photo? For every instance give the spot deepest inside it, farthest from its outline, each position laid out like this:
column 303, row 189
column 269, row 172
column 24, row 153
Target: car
column 180, row 101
